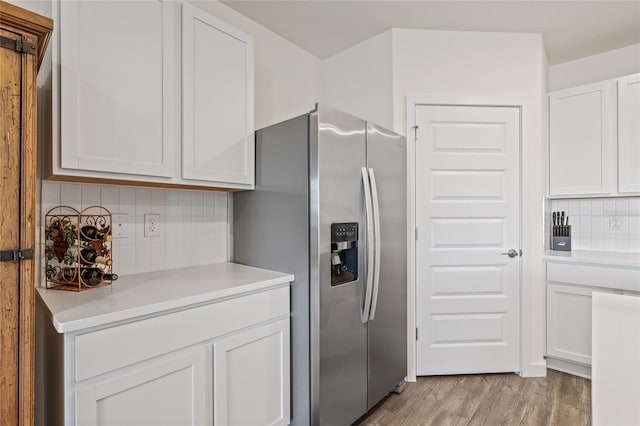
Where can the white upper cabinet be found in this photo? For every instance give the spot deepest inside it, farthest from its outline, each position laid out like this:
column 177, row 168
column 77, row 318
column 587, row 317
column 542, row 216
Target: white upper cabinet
column 116, row 93
column 217, row 100
column 582, row 140
column 629, row 135
column 144, row 97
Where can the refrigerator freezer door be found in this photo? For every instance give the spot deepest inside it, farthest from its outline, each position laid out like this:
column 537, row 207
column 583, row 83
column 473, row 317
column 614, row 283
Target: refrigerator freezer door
column 387, row 332
column 337, row 153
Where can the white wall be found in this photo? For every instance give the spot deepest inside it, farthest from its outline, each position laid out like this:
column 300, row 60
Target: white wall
column 611, row 64
column 358, row 80
column 287, row 78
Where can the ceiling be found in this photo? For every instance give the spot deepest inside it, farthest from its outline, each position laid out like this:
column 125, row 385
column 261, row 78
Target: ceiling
column 570, row 29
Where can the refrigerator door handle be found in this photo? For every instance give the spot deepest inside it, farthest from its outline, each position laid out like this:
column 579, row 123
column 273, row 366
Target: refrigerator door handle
column 364, row 316
column 376, row 231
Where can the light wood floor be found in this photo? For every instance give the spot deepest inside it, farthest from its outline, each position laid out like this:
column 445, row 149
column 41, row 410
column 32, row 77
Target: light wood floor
column 489, row 399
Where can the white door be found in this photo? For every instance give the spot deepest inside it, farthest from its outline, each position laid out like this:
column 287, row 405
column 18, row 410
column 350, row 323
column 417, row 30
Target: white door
column 217, row 100
column 468, row 215
column 168, row 392
column 251, row 376
column 117, row 106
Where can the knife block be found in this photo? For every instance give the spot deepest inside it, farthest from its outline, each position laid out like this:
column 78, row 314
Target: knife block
column 562, row 243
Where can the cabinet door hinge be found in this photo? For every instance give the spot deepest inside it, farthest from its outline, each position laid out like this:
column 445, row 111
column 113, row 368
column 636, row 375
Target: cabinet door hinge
column 16, row 255
column 18, row 45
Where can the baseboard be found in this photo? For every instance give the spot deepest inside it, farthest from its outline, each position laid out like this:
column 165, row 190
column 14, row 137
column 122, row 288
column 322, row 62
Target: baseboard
column 569, row 367
column 535, row 369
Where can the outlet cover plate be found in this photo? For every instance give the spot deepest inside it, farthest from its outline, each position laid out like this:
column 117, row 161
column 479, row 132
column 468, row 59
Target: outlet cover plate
column 151, row 225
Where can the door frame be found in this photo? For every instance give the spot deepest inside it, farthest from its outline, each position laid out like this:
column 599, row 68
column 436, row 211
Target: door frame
column 531, row 235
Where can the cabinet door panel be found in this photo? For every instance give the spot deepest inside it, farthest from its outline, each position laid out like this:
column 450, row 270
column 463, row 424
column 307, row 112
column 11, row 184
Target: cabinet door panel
column 582, row 140
column 629, row 134
column 569, row 322
column 166, row 393
column 217, row 108
column 117, row 86
column 251, row 376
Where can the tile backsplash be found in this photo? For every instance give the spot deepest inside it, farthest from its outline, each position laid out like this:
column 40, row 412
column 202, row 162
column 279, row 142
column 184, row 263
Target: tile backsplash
column 603, row 224
column 194, row 226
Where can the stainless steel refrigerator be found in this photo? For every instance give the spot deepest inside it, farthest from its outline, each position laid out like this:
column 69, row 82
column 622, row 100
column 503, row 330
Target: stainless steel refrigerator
column 330, row 207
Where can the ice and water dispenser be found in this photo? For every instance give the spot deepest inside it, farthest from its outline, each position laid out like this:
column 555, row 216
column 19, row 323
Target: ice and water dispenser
column 344, row 253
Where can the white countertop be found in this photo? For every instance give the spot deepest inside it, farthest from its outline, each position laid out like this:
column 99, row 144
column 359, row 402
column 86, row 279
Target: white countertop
column 609, row 258
column 149, row 293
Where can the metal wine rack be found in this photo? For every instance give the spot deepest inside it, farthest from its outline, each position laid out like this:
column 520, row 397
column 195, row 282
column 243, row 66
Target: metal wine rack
column 64, row 241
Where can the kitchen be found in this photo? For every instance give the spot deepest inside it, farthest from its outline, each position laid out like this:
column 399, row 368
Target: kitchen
column 196, row 226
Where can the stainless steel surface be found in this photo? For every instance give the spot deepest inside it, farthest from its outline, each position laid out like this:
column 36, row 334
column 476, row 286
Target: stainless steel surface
column 368, row 288
column 387, row 357
column 376, row 243
column 271, row 230
column 308, row 176
column 338, row 156
column 510, row 253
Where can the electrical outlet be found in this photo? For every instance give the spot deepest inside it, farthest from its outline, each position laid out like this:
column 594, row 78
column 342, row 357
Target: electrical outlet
column 615, row 223
column 151, row 225
column 121, row 227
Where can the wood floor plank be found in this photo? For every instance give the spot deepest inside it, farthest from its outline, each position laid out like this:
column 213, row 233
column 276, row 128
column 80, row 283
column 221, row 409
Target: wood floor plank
column 488, row 399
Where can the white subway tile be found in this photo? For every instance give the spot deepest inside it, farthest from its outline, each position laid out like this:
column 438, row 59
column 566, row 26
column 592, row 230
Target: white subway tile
column 597, row 207
column 71, row 195
column 634, row 207
column 597, row 241
column 609, row 207
column 597, row 224
column 50, row 193
column 197, row 204
column 90, row 195
column 574, row 208
column 176, row 252
column 622, row 207
column 622, row 242
column 126, row 264
column 562, row 206
column 209, row 204
column 143, row 201
column 634, row 243
column 143, row 258
column 185, row 203
column 585, row 242
column 585, row 207
column 159, row 201
column 173, row 231
column 109, row 198
column 634, row 225
column 585, row 224
column 609, row 242
column 158, row 257
column 127, row 200
column 172, row 200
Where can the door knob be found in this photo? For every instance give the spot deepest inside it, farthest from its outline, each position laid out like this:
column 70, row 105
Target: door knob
column 511, row 253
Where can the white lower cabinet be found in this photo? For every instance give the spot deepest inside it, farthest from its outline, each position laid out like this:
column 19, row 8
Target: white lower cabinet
column 167, row 392
column 223, row 363
column 569, row 305
column 251, row 376
column 569, row 322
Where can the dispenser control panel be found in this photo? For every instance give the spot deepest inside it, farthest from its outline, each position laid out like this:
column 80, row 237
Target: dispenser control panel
column 341, row 232
column 344, row 253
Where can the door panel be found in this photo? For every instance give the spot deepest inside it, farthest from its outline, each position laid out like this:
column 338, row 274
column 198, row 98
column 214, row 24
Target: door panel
column 629, row 134
column 10, row 134
column 387, row 332
column 117, row 103
column 467, row 212
column 337, row 153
